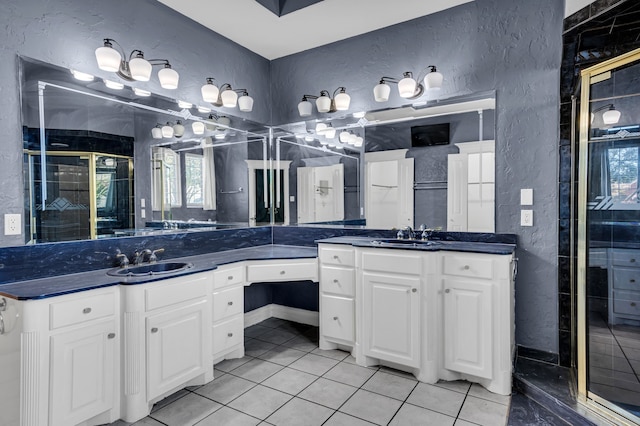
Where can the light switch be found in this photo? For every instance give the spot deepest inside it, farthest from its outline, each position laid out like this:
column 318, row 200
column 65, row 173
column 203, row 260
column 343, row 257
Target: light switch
column 142, row 203
column 526, row 197
column 143, row 213
column 292, row 199
column 526, row 217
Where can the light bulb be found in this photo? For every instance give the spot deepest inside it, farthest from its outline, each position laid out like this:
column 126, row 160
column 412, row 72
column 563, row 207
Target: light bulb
column 141, row 92
column 229, row 98
column 82, row 76
column 108, row 58
column 197, row 127
column 140, row 68
column 113, row 85
column 210, row 91
column 245, row 103
column 304, row 108
column 323, row 103
column 342, row 101
column 407, row 87
column 167, row 131
column 168, row 78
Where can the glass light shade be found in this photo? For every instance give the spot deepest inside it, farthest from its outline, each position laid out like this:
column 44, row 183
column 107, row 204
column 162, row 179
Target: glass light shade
column 611, row 116
column 593, row 117
column 156, row 133
column 210, row 92
column 204, row 110
column 220, row 135
column 344, row 136
column 167, row 131
column 168, row 78
column 197, row 127
column 183, row 104
column 225, row 121
column 330, row 132
column 304, row 108
column 141, row 92
column 320, row 128
column 381, row 92
column 229, row 98
column 178, row 130
column 433, row 80
column 323, row 103
column 353, row 139
column 407, row 87
column 82, row 76
column 113, row 85
column 342, row 101
column 358, row 142
column 140, row 69
column 308, row 138
column 322, row 142
column 245, row 103
column 108, row 58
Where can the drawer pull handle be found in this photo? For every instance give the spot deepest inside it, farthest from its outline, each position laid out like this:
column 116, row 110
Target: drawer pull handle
column 86, row 311
column 111, row 335
column 335, row 318
column 632, row 261
column 230, row 277
column 336, row 257
column 633, row 303
column 632, row 280
column 154, row 330
column 229, row 334
column 414, row 290
column 466, row 267
column 447, row 290
column 282, row 272
column 229, row 303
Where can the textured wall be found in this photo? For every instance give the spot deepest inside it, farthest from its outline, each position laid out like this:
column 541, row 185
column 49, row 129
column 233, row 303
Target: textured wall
column 510, row 46
column 67, row 32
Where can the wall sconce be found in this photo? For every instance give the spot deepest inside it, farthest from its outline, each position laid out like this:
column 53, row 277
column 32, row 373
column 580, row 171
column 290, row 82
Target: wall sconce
column 408, row 87
column 226, row 96
column 325, row 103
column 136, row 67
column 610, row 116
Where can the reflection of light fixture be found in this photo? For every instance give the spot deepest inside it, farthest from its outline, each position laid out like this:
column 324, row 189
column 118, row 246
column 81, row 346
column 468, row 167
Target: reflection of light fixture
column 204, row 110
column 320, row 128
column 407, row 86
column 329, row 132
column 113, row 85
column 82, row 76
column 137, row 67
column 610, row 116
column 226, row 96
column 156, row 132
column 197, row 127
column 344, row 136
column 220, row 135
column 359, row 114
column 167, row 131
column 308, row 138
column 178, row 129
column 325, row 103
column 184, row 105
column 108, row 162
column 141, row 93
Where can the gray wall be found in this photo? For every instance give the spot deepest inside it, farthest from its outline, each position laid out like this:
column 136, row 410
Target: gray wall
column 67, row 32
column 510, row 46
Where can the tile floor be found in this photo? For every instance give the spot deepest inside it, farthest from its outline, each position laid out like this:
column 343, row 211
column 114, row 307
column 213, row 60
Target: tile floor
column 285, row 379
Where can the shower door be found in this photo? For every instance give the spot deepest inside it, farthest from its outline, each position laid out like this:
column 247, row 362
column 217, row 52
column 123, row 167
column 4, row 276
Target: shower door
column 609, row 237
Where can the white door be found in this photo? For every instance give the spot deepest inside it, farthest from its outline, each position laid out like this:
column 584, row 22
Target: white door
column 468, row 328
column 82, row 373
column 456, row 193
column 175, row 347
column 320, row 193
column 389, row 193
column 305, row 195
column 392, row 318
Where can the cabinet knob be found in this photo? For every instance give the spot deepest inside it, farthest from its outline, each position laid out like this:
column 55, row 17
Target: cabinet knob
column 336, row 282
column 230, row 277
column 447, row 291
column 86, row 311
column 633, row 303
column 154, row 330
column 282, row 272
column 466, row 267
column 335, row 318
column 414, row 290
column 230, row 303
column 632, row 260
column 111, row 335
column 229, row 334
column 336, row 257
column 632, row 280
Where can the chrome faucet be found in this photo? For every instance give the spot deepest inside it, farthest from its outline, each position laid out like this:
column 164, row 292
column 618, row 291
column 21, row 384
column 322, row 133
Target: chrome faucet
column 405, row 233
column 124, row 260
column 427, row 232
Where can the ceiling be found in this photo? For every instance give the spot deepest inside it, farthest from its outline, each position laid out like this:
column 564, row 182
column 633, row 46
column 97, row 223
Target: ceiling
column 259, row 29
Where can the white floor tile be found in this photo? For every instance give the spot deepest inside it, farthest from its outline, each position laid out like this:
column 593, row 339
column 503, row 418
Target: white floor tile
column 390, row 385
column 186, row 411
column 350, row 374
column 484, row 412
column 257, row 370
column 438, row 399
column 290, row 381
column 372, row 407
column 314, row 364
column 228, row 416
column 411, row 415
column 298, row 412
column 328, row 393
column 225, row 389
column 260, row 401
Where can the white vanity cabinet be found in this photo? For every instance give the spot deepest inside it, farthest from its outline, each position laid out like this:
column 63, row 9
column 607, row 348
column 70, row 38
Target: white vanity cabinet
column 167, row 339
column 624, row 286
column 337, row 295
column 228, row 312
column 70, row 359
column 478, row 318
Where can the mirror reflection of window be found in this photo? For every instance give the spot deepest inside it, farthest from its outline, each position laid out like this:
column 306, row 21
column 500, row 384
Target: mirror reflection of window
column 194, row 179
column 166, row 179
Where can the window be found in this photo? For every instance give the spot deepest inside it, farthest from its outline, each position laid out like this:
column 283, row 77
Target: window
column 623, row 174
column 166, row 179
column 194, row 179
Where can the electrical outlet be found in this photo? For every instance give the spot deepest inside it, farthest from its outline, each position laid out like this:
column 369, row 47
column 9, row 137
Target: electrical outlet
column 12, row 224
column 526, row 217
column 143, row 213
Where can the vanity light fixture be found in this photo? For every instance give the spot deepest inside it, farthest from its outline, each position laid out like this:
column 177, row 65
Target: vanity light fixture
column 82, row 76
column 325, row 102
column 136, row 67
column 610, row 116
column 226, row 96
column 141, row 92
column 113, row 84
column 408, row 87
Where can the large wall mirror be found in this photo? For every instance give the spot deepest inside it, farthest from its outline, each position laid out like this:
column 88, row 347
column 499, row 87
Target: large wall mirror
column 97, row 164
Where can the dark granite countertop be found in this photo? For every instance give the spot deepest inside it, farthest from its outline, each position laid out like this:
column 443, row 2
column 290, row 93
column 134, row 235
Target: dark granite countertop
column 463, row 246
column 72, row 283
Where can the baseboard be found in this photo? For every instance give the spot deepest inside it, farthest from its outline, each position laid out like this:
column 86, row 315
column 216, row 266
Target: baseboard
column 301, row 316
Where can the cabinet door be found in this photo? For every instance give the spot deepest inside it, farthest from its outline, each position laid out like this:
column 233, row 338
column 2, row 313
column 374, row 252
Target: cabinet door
column 337, row 318
column 82, row 373
column 176, row 348
column 468, row 328
column 391, row 314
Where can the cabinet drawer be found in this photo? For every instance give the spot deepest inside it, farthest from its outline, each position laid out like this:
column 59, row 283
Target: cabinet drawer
column 176, row 290
column 626, row 302
column 337, row 318
column 76, row 311
column 630, row 258
column 336, row 255
column 283, row 271
column 228, row 275
column 228, row 334
column 467, row 266
column 626, row 279
column 337, row 280
column 228, row 302
column 393, row 261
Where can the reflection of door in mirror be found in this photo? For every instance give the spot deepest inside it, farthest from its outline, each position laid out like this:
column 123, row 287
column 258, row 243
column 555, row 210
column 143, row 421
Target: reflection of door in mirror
column 263, row 212
column 389, row 189
column 320, row 193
